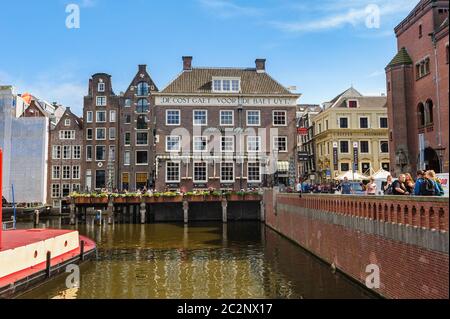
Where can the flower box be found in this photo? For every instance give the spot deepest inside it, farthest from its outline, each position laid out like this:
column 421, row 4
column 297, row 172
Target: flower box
column 195, row 198
column 133, row 200
column 235, row 197
column 99, row 200
column 82, row 200
column 172, row 199
column 252, row 197
column 120, row 200
column 213, row 198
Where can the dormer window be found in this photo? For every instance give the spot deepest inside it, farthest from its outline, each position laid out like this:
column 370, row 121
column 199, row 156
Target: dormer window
column 227, row 85
column 67, row 122
column 101, row 87
column 352, row 104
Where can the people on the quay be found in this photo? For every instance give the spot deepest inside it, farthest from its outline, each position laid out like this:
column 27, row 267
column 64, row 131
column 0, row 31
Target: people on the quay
column 420, row 179
column 371, row 187
column 387, row 189
column 346, row 187
column 409, row 183
column 398, row 187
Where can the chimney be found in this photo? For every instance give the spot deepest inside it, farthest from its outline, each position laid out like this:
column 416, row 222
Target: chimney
column 142, row 67
column 260, row 65
column 187, row 63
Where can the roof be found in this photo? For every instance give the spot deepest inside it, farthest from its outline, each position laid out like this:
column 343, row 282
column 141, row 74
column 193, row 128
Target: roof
column 402, row 58
column 352, row 93
column 199, row 80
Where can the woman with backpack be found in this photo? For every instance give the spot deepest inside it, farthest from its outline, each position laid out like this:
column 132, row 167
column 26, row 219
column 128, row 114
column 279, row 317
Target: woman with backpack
column 438, row 190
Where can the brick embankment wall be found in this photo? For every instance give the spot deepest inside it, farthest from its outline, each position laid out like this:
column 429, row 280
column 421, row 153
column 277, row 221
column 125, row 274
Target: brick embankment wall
column 413, row 260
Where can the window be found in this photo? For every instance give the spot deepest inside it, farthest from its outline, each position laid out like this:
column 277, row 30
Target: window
column 56, row 172
column 384, row 147
column 363, row 122
column 279, row 118
column 254, row 172
column 100, row 179
column 101, row 117
column 100, row 134
column 200, row 117
column 422, row 68
column 89, row 134
column 343, row 122
column 253, row 143
column 365, row 168
column 56, row 190
column 67, row 152
column 127, row 118
column 173, row 143
column 89, row 117
column 127, row 158
column 173, row 117
column 447, row 54
column 127, row 102
column 141, row 157
column 200, row 143
column 88, row 180
column 100, row 153
column 364, row 147
column 345, row 167
column 56, row 152
column 142, row 106
column 67, row 122
column 141, row 138
column 384, row 122
column 89, row 153
column 112, row 116
column 344, row 147
column 421, row 114
column 172, row 172
column 420, row 31
column 66, row 172
column 127, row 138
column 101, row 87
column 235, row 85
column 385, row 166
column 112, row 153
column 142, row 89
column 66, row 135
column 326, row 125
column 253, row 118
column 125, row 181
column 76, row 152
column 217, row 85
column 227, row 172
column 227, row 144
column 65, row 190
column 200, row 172
column 76, row 187
column 280, row 144
column 112, row 133
column 429, row 112
column 141, row 123
column 352, row 103
column 226, row 118
column 101, row 101
column 226, row 85
column 75, row 172
column 141, row 180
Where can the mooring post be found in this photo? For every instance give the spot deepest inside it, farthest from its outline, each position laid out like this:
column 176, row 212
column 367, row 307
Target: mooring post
column 110, row 210
column 143, row 210
column 82, row 250
column 48, row 264
column 224, row 211
column 72, row 213
column 36, row 217
column 186, row 211
column 263, row 211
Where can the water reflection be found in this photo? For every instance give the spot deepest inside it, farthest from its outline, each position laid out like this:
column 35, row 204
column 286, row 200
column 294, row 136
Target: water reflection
column 208, row 260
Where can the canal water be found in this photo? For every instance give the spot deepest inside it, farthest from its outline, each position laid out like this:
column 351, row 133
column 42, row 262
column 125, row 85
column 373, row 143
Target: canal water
column 204, row 260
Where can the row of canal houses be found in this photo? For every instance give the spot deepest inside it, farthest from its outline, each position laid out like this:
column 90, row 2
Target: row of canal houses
column 221, row 128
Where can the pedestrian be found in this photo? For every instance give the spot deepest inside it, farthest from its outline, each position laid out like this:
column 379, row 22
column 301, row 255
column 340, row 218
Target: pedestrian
column 398, row 187
column 438, row 190
column 371, row 187
column 409, row 183
column 420, row 179
column 346, row 187
column 388, row 187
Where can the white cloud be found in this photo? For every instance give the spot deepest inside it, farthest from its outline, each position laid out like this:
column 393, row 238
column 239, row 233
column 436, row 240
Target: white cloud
column 228, row 9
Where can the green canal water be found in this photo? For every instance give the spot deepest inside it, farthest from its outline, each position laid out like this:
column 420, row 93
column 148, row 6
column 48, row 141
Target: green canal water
column 205, row 260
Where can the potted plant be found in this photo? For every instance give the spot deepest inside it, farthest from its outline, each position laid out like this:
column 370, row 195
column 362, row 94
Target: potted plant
column 101, row 198
column 172, row 197
column 213, row 196
column 252, row 196
column 236, row 196
column 119, row 198
column 195, row 196
column 133, row 198
column 81, row 198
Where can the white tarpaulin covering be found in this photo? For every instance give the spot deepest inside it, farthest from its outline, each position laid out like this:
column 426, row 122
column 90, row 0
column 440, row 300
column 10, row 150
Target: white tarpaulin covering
column 352, row 176
column 381, row 174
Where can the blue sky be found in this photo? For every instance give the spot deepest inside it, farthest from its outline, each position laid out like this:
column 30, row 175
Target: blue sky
column 322, row 47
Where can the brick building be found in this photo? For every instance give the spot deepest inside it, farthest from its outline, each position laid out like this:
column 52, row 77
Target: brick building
column 136, row 133
column 101, row 124
column 225, row 128
column 418, row 90
column 65, row 165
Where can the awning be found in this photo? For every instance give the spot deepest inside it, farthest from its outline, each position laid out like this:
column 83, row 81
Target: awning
column 283, row 166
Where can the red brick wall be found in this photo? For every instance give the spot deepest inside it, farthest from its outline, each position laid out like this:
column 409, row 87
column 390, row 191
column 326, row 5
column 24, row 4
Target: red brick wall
column 406, row 271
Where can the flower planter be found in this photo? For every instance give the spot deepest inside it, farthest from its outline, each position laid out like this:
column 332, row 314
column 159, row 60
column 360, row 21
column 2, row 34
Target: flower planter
column 120, row 200
column 133, row 200
column 252, row 197
column 235, row 198
column 172, row 199
column 99, row 200
column 195, row 198
column 213, row 198
column 82, row 200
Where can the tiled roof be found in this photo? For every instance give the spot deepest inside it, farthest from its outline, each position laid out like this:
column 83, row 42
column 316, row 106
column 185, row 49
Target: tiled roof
column 402, row 58
column 199, row 80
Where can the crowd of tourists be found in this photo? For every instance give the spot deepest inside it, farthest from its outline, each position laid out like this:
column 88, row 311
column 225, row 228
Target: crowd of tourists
column 426, row 184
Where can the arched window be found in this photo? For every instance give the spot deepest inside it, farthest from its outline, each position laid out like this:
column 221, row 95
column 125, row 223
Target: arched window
column 142, row 89
column 142, row 122
column 142, row 106
column 421, row 115
column 429, row 112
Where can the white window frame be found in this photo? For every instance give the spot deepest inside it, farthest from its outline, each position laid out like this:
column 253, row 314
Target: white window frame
column 112, row 158
column 112, row 137
column 112, row 116
column 167, row 117
column 125, row 139
column 76, row 169
column 101, row 87
column 55, row 151
column 193, row 117
column 63, row 170
column 142, row 132
column 348, row 122
column 221, row 144
column 221, row 81
column 95, row 154
column 286, row 142
column 89, row 117
column 96, row 117
column 259, row 117
column 232, row 118
column 206, row 172
column 234, row 173
column 167, row 143
column 379, row 122
column 126, row 104
column 136, row 157
column 67, row 122
column 258, row 139
column 96, row 133
column 92, row 134
column 125, row 163
column 77, row 152
column 384, row 141
column 179, row 172
column 63, row 187
column 368, row 146
column 248, row 175
column 65, row 147
column 285, row 118
column 349, row 147
column 352, row 100
column 92, row 153
column 101, row 101
column 56, row 187
column 56, row 169
column 203, row 138
column 368, row 122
